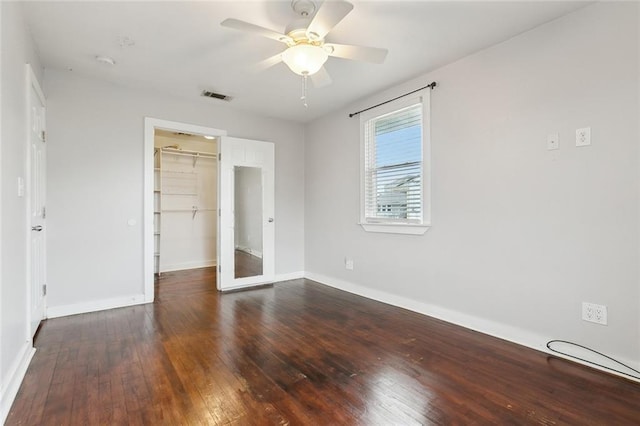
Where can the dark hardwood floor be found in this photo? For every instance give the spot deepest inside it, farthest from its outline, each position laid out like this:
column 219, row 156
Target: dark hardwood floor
column 297, row 353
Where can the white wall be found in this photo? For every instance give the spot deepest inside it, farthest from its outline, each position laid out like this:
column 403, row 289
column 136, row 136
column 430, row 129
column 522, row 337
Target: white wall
column 521, row 235
column 95, row 178
column 15, row 341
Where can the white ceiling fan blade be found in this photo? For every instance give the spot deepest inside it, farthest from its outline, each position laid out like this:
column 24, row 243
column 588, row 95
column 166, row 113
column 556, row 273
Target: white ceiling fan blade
column 321, row 78
column 269, row 62
column 236, row 24
column 375, row 55
column 327, row 17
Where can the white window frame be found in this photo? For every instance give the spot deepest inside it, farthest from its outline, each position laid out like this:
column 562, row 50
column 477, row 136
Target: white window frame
column 393, row 225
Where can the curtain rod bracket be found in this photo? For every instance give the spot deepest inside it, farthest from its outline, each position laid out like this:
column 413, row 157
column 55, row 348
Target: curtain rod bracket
column 431, row 85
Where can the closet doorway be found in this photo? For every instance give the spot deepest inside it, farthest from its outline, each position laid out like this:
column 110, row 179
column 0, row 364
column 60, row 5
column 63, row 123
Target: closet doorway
column 180, row 198
column 185, row 200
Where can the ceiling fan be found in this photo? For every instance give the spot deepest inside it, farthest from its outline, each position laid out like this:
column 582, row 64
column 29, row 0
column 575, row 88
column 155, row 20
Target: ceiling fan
column 307, row 50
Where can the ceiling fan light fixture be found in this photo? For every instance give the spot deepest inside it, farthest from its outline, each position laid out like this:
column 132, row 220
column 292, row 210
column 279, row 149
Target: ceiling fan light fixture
column 305, row 59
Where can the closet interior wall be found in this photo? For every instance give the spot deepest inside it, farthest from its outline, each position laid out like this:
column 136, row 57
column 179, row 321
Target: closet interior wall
column 185, row 201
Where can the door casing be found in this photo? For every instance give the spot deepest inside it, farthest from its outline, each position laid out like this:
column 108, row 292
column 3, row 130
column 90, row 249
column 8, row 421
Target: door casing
column 150, row 125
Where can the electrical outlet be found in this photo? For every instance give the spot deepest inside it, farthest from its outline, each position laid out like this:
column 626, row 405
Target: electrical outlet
column 594, row 313
column 601, row 314
column 583, row 136
column 348, row 263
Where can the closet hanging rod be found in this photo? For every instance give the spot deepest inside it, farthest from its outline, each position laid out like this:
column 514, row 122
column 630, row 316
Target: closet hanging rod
column 189, row 153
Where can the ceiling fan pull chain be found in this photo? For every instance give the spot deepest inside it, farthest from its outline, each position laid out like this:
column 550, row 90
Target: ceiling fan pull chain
column 304, row 90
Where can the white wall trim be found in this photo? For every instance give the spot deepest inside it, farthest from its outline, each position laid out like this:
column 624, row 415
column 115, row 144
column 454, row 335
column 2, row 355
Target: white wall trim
column 150, row 124
column 289, row 276
column 188, row 265
column 388, row 228
column 95, row 306
column 422, row 97
column 12, row 384
column 2, row 391
column 638, row 236
column 492, row 328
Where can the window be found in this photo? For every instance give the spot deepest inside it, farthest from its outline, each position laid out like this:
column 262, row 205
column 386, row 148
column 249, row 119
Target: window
column 395, row 154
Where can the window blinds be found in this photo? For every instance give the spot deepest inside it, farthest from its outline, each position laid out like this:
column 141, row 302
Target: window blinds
column 393, row 166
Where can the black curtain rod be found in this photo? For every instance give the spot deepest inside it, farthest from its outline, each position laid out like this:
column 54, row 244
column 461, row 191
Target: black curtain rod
column 431, row 85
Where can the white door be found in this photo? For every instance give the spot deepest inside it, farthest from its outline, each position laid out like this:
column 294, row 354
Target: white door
column 246, row 224
column 37, row 212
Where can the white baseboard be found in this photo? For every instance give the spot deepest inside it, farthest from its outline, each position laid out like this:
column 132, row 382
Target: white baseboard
column 289, row 276
column 502, row 331
column 94, row 306
column 188, row 265
column 16, row 374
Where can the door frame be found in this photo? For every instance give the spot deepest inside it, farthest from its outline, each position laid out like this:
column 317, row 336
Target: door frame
column 32, row 83
column 150, row 125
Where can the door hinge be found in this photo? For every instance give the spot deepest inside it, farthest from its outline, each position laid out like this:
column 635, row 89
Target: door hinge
column 220, row 268
column 219, row 213
column 44, row 289
column 43, row 136
column 44, row 212
column 220, row 157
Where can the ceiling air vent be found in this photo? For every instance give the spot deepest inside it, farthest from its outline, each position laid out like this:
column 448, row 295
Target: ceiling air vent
column 214, row 95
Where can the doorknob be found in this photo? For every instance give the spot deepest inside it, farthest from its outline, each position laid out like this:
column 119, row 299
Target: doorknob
column 36, row 228
column 270, row 219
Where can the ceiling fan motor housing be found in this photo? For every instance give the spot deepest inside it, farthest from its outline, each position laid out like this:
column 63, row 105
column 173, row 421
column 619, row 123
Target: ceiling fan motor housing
column 297, row 29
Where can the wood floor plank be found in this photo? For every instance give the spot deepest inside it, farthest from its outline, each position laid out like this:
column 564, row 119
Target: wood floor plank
column 297, row 353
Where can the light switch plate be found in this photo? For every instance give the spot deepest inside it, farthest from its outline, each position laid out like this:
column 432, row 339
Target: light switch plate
column 553, row 142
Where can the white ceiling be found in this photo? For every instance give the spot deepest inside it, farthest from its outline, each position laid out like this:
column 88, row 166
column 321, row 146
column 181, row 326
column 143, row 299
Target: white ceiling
column 180, row 48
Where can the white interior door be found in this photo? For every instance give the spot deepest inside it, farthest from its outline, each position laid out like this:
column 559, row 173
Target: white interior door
column 37, row 200
column 246, row 227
